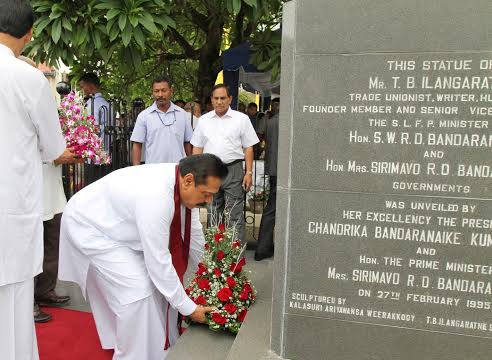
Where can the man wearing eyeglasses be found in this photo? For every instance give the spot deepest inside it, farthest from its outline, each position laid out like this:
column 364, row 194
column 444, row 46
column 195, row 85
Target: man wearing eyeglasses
column 164, row 128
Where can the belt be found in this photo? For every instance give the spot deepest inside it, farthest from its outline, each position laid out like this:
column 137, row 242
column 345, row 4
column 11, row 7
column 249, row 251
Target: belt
column 234, row 162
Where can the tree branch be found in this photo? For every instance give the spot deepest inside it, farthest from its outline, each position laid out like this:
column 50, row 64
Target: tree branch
column 170, row 57
column 198, row 18
column 238, row 28
column 188, row 50
column 190, row 12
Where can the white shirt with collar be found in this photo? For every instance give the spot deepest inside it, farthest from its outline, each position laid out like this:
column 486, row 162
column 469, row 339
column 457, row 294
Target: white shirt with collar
column 163, row 133
column 226, row 136
column 130, row 208
column 30, row 133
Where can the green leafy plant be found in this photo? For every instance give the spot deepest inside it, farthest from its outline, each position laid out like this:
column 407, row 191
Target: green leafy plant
column 266, row 52
column 127, row 42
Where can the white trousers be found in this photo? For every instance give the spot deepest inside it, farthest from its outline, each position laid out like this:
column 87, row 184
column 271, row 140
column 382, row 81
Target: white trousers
column 135, row 331
column 17, row 333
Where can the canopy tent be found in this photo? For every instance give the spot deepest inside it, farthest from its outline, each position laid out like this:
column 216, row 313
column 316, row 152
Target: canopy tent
column 239, row 70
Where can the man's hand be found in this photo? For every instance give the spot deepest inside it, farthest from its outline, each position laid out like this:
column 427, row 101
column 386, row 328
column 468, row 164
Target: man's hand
column 247, row 182
column 68, row 157
column 199, row 315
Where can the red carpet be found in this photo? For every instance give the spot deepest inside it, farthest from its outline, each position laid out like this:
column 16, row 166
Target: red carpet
column 70, row 335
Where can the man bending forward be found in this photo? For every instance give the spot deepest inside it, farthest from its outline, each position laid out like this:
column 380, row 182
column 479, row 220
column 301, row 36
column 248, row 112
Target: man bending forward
column 126, row 240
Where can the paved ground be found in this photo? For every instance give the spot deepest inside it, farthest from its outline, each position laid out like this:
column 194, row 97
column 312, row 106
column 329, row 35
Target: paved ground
column 202, row 343
column 251, row 343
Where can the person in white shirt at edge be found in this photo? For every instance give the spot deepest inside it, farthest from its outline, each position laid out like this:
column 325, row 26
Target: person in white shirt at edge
column 30, row 133
column 54, row 201
column 229, row 135
column 126, row 251
column 164, row 128
column 96, row 104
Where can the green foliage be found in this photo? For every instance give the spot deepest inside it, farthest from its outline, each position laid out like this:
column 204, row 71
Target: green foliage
column 266, row 52
column 98, row 29
column 128, row 42
column 246, row 97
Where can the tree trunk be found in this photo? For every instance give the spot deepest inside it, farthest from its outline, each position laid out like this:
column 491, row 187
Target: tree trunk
column 210, row 62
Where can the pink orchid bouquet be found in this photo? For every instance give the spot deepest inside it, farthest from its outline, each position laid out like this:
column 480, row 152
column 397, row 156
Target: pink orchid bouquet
column 220, row 280
column 81, row 131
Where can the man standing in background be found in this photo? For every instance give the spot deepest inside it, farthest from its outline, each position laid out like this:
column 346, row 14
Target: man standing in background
column 29, row 134
column 252, row 111
column 229, row 135
column 96, row 103
column 264, row 248
column 164, row 128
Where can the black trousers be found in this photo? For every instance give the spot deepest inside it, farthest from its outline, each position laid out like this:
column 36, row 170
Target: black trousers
column 46, row 281
column 267, row 225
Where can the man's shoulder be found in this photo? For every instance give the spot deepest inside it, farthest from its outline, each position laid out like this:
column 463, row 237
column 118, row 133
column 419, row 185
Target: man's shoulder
column 146, row 112
column 237, row 114
column 104, row 101
column 205, row 119
column 25, row 73
column 179, row 109
column 145, row 172
column 240, row 117
column 207, row 115
column 181, row 113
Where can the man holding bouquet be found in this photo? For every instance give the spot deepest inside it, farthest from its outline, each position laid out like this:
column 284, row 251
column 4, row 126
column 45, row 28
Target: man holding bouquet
column 126, row 240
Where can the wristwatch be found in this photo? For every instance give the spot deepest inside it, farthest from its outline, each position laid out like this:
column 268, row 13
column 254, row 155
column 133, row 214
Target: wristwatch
column 249, row 173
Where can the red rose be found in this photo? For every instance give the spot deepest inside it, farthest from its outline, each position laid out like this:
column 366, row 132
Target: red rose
column 187, row 291
column 218, row 237
column 207, row 247
column 231, row 282
column 242, row 315
column 219, row 319
column 200, row 300
column 243, row 296
column 247, row 288
column 242, row 262
column 202, row 269
column 220, row 255
column 204, row 284
column 237, row 268
column 217, row 272
column 224, row 294
column 221, row 227
column 230, row 308
column 236, row 244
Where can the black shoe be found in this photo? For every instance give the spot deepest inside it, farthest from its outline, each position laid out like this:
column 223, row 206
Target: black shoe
column 261, row 256
column 52, row 299
column 40, row 316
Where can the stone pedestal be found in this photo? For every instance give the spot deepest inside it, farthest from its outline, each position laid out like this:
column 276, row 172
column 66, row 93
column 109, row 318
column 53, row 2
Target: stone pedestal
column 384, row 214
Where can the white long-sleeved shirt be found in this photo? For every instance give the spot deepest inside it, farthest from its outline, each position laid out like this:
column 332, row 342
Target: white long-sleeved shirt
column 131, row 208
column 30, row 133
